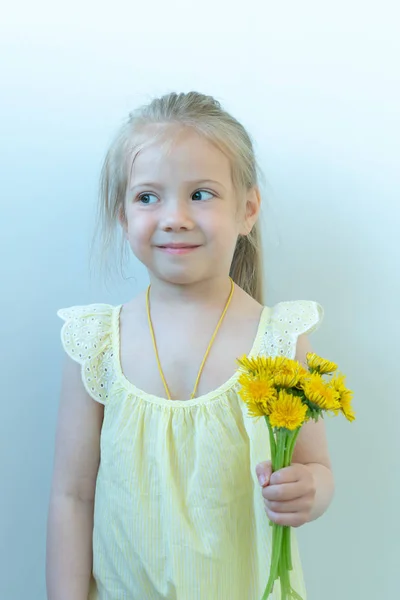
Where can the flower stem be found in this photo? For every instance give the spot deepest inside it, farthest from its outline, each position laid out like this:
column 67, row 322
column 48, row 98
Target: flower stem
column 286, row 543
column 280, row 449
column 284, row 578
column 286, row 459
column 295, row 595
column 276, row 554
column 272, row 441
column 288, row 548
column 291, row 446
column 277, row 536
column 277, row 532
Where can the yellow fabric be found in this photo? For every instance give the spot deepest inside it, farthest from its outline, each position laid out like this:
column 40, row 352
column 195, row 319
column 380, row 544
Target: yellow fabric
column 178, row 510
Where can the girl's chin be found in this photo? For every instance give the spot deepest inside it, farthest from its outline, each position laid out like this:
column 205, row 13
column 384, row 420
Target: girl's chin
column 178, row 276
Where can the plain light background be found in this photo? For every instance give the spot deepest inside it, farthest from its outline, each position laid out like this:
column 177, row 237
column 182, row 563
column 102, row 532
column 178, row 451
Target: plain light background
column 317, row 85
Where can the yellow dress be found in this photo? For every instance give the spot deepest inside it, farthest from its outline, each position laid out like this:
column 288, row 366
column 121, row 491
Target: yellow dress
column 179, row 513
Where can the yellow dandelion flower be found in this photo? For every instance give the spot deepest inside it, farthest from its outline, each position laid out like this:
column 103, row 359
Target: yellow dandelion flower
column 319, row 393
column 303, row 374
column 345, row 396
column 257, row 394
column 257, row 367
column 287, row 411
column 321, row 365
column 256, row 409
column 286, row 373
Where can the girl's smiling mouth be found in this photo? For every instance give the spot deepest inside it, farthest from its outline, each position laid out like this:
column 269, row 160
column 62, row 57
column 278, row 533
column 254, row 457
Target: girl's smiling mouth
column 180, row 248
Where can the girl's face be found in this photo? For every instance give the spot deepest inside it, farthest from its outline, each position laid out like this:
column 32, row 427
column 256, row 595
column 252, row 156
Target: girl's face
column 182, row 218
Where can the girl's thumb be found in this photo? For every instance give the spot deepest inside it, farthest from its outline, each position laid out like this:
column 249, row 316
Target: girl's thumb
column 264, row 471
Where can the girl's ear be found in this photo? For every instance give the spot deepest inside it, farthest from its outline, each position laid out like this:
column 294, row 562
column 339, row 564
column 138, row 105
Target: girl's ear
column 252, row 210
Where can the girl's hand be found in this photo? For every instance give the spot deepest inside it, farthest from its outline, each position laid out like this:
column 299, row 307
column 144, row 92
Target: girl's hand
column 289, row 493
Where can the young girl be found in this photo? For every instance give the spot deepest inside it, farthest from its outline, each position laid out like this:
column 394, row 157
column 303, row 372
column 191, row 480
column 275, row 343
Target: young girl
column 162, row 482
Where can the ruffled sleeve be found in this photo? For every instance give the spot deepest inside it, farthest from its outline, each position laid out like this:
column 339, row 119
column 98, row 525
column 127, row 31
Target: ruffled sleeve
column 288, row 321
column 87, row 338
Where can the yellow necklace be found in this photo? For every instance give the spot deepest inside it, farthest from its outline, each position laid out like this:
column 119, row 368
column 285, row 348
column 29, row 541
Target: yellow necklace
column 209, row 345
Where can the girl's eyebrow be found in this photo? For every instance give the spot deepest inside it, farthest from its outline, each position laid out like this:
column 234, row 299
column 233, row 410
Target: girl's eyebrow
column 188, row 182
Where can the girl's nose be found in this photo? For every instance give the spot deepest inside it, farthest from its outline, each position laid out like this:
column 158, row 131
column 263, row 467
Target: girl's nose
column 177, row 217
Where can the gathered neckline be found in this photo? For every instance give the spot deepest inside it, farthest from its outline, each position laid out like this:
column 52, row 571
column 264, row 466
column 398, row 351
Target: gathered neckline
column 162, row 401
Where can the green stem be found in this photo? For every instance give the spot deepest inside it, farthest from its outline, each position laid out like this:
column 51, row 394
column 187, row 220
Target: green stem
column 276, row 555
column 294, row 595
column 277, row 537
column 286, row 460
column 288, row 548
column 272, row 442
column 283, row 549
column 287, row 592
column 272, row 445
column 282, row 449
column 284, row 579
column 293, row 439
column 286, row 544
column 281, row 442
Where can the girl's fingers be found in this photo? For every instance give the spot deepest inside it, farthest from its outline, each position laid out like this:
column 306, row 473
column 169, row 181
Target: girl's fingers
column 287, row 519
column 292, row 506
column 264, row 472
column 284, row 492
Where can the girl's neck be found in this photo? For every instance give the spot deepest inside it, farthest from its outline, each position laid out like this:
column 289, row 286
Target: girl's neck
column 209, row 293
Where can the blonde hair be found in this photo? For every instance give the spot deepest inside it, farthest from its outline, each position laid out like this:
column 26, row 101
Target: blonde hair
column 206, row 116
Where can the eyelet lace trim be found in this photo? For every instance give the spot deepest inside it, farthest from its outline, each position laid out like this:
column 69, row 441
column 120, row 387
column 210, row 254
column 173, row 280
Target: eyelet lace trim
column 288, row 321
column 86, row 338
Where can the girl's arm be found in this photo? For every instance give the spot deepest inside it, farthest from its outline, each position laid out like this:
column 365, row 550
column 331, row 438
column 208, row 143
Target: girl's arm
column 70, row 518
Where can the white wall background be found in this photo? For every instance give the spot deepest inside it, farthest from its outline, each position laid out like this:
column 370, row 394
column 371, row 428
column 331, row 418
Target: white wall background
column 318, row 86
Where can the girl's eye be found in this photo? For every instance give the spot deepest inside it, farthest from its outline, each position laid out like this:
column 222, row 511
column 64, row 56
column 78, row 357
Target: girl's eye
column 201, row 192
column 145, row 198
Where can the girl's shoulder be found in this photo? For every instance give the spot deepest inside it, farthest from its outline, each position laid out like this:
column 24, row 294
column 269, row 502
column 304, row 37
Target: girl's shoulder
column 286, row 321
column 297, row 315
column 85, row 328
column 89, row 335
column 84, row 311
column 285, row 317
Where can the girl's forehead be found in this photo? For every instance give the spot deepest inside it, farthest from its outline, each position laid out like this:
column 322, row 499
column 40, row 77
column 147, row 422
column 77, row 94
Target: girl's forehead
column 184, row 152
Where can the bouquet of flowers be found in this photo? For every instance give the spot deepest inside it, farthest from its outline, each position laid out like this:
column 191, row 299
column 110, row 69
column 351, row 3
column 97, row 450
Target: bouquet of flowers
column 287, row 395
